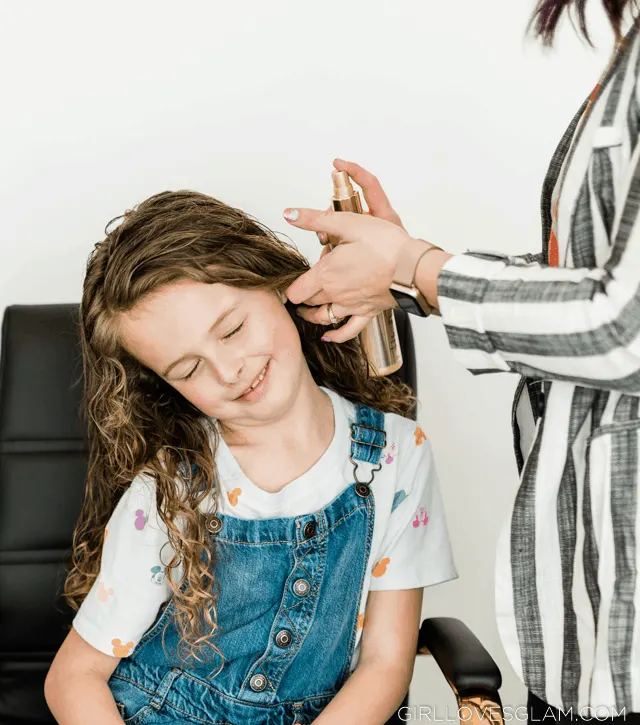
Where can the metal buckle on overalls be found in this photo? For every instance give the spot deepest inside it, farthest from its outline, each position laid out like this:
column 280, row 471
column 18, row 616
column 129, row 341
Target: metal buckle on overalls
column 355, row 472
column 366, row 443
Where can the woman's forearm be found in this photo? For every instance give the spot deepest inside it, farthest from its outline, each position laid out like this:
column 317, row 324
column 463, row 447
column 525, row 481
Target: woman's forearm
column 427, row 272
column 369, row 697
column 430, row 267
column 559, row 323
column 81, row 699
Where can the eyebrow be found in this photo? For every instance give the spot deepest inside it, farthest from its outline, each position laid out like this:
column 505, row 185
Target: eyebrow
column 182, row 358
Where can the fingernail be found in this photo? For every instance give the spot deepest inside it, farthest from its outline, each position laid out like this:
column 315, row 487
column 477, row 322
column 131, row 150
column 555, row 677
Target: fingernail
column 322, row 237
column 324, row 338
column 291, row 215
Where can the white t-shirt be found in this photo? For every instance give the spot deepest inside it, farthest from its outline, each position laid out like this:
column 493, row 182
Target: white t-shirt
column 410, row 547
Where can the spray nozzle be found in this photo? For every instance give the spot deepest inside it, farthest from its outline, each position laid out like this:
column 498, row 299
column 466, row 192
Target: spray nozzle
column 342, row 188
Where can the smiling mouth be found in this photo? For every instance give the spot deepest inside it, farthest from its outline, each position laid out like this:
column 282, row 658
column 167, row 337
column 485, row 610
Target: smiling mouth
column 259, row 378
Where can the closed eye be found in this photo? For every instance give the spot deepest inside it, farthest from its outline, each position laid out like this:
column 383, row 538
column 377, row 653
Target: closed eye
column 226, row 337
column 195, row 367
column 233, row 332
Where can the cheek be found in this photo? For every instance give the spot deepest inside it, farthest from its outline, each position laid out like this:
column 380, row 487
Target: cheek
column 195, row 393
column 285, row 339
column 206, row 396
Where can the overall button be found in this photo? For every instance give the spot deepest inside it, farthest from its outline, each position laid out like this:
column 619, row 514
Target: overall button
column 310, row 530
column 257, row 683
column 363, row 490
column 284, row 638
column 214, row 524
column 301, row 587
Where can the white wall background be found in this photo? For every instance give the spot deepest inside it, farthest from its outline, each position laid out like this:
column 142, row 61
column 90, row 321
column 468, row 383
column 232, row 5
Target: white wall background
column 447, row 102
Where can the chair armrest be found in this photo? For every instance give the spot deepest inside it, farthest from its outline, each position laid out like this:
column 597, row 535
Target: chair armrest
column 461, row 657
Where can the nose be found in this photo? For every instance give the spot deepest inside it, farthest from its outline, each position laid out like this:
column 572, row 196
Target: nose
column 228, row 365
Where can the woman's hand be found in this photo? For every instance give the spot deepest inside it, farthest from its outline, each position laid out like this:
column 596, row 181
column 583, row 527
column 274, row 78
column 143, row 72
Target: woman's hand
column 356, row 275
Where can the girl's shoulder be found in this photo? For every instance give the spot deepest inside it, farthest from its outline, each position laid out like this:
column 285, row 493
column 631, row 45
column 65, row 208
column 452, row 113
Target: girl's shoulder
column 142, row 486
column 407, row 445
column 399, row 424
column 406, row 429
column 406, row 442
column 137, row 505
column 396, row 426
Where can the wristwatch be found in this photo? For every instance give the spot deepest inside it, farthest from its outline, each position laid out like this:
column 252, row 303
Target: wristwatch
column 406, row 294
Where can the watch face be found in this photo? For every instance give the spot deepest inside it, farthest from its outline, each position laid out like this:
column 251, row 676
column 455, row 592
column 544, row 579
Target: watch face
column 408, row 303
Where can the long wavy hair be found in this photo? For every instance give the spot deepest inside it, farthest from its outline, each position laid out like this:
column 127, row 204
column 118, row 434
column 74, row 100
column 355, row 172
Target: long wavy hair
column 136, row 421
column 548, row 13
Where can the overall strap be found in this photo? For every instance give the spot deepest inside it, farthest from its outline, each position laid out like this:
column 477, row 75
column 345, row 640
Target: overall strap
column 368, row 437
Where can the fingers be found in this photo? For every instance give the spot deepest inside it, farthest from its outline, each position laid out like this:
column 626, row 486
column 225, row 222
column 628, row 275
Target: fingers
column 323, row 237
column 321, row 298
column 340, row 224
column 348, row 331
column 320, row 315
column 377, row 201
column 306, row 286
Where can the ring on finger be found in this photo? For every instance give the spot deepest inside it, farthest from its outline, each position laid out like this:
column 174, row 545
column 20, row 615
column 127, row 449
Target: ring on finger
column 332, row 317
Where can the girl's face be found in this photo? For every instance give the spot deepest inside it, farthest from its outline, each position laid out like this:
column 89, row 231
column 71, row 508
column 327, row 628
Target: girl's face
column 234, row 353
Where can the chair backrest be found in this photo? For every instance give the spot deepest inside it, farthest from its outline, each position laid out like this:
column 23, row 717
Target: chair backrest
column 42, row 475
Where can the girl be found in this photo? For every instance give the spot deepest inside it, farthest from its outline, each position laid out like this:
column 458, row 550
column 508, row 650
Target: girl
column 260, row 519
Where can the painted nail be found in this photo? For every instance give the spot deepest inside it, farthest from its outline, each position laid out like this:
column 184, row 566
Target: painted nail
column 291, row 215
column 324, row 338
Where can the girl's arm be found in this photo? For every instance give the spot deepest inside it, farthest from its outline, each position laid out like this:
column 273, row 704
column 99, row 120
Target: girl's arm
column 76, row 687
column 382, row 677
column 122, row 604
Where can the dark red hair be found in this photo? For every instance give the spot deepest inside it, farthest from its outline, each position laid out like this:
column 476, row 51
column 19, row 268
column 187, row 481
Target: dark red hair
column 548, row 13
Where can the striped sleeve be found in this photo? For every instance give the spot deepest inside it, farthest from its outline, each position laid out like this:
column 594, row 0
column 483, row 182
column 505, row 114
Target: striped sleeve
column 576, row 325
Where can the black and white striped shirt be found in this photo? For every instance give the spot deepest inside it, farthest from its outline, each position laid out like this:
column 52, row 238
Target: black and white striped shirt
column 568, row 566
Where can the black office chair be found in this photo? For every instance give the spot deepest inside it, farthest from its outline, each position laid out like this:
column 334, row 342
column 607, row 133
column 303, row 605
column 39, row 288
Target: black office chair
column 42, row 474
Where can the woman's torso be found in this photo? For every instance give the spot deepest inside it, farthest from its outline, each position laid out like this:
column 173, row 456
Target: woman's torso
column 567, row 584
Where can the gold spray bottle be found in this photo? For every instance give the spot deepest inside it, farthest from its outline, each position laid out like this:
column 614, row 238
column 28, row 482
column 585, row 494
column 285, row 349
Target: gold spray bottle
column 379, row 339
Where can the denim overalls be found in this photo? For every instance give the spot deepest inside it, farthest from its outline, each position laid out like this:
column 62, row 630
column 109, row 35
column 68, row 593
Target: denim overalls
column 287, row 611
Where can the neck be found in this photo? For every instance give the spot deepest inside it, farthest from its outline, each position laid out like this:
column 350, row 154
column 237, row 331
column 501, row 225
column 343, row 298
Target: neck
column 307, row 421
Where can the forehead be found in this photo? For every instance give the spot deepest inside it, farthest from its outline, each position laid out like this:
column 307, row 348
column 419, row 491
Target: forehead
column 170, row 321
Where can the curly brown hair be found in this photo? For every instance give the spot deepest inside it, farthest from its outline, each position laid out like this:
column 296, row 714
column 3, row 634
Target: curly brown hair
column 136, row 421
